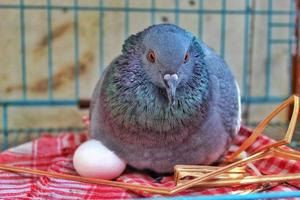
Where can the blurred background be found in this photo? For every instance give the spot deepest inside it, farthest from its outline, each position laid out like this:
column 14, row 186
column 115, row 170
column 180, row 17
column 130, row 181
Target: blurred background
column 52, row 52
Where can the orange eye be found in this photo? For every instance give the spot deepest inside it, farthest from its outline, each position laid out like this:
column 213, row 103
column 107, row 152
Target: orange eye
column 151, row 56
column 186, row 57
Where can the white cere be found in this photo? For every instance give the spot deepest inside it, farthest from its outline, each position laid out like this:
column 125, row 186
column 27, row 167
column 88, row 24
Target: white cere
column 175, row 77
column 167, row 76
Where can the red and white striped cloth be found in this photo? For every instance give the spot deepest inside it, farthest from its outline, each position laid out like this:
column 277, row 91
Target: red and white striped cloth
column 54, row 153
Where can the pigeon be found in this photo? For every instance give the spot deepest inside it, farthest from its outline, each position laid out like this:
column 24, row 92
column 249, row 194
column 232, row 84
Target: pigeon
column 167, row 99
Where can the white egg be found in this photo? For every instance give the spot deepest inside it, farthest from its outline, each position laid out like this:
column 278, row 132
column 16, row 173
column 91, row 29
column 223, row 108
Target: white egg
column 92, row 159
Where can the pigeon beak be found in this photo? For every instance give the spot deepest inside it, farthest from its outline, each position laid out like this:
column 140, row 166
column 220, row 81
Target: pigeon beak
column 171, row 82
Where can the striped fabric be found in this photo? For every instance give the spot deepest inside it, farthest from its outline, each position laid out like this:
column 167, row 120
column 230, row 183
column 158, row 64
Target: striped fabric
column 54, row 153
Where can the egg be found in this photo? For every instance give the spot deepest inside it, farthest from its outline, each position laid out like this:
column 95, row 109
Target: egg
column 92, row 159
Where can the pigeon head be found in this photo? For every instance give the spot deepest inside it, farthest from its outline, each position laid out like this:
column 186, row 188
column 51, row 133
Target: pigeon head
column 166, row 56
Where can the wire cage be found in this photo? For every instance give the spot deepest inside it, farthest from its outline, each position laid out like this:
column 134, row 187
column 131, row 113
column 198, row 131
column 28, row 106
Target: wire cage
column 39, row 38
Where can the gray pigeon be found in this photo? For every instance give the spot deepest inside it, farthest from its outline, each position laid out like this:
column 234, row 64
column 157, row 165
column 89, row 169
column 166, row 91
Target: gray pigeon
column 168, row 99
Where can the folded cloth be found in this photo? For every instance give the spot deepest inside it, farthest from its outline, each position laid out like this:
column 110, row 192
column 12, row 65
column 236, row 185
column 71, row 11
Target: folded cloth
column 54, row 154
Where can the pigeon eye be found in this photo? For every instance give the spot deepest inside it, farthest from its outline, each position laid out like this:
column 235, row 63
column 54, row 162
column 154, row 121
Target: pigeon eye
column 186, row 57
column 151, row 56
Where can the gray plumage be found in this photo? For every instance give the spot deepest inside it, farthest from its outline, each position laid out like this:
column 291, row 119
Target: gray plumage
column 167, row 99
